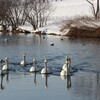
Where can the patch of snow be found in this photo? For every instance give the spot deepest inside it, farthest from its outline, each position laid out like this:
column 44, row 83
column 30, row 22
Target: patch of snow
column 27, row 27
column 63, row 9
column 66, row 9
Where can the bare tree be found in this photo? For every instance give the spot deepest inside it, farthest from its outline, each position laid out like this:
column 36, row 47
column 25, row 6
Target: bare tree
column 13, row 12
column 16, row 12
column 94, row 9
column 38, row 12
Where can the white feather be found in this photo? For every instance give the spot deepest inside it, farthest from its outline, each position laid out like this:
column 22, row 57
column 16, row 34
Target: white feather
column 33, row 69
column 4, row 67
column 44, row 71
column 64, row 67
column 22, row 63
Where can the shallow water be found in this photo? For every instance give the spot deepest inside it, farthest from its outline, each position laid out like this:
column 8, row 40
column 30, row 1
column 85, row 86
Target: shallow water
column 84, row 54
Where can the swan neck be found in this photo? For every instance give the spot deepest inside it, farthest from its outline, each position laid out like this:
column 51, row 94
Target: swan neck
column 45, row 66
column 24, row 59
column 68, row 68
column 67, row 64
column 6, row 63
column 35, row 64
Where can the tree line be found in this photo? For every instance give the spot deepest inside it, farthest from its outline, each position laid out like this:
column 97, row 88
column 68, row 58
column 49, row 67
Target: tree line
column 16, row 12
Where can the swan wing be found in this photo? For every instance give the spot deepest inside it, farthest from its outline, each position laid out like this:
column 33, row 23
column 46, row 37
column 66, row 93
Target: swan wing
column 4, row 67
column 64, row 66
column 63, row 72
column 43, row 71
column 32, row 69
column 22, row 63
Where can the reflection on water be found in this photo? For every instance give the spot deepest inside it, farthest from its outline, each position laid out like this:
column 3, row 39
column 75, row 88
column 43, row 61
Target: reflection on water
column 68, row 80
column 35, row 82
column 84, row 54
column 1, row 82
column 45, row 76
column 87, row 85
column 81, row 86
column 2, row 76
column 7, row 77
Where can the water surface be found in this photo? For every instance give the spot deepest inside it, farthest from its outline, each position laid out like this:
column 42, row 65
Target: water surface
column 21, row 84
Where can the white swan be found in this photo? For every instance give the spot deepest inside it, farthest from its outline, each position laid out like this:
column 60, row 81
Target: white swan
column 66, row 70
column 23, row 63
column 68, row 61
column 5, row 67
column 45, row 70
column 33, row 68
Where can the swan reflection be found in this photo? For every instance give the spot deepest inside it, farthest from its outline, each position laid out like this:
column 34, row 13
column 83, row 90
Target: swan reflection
column 7, row 77
column 68, row 80
column 1, row 82
column 35, row 82
column 2, row 78
column 45, row 76
column 63, row 77
column 23, row 62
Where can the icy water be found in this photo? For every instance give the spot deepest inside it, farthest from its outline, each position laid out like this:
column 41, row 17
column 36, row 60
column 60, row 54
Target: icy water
column 20, row 84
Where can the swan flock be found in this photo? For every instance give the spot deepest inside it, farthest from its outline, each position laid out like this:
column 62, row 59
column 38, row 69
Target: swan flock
column 45, row 70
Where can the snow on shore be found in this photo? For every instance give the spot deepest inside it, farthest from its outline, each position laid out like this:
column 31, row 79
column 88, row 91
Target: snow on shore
column 63, row 9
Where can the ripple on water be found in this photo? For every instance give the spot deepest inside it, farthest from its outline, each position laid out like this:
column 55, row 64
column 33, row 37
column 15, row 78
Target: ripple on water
column 36, row 47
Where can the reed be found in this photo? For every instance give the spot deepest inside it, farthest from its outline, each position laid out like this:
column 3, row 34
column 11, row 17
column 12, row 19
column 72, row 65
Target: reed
column 82, row 27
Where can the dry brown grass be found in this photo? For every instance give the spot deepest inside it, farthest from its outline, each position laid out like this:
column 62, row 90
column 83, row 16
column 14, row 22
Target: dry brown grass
column 82, row 27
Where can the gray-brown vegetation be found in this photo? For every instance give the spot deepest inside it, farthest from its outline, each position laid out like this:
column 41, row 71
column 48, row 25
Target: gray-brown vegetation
column 82, row 27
